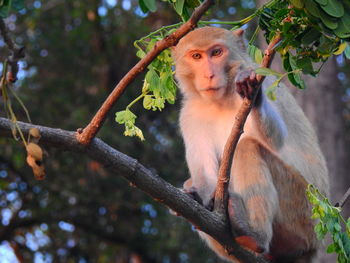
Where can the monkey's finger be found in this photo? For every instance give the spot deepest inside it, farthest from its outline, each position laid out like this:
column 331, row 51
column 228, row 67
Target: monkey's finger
column 252, row 76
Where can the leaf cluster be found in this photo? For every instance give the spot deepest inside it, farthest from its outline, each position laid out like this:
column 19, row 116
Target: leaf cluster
column 330, row 221
column 313, row 30
column 183, row 8
column 158, row 87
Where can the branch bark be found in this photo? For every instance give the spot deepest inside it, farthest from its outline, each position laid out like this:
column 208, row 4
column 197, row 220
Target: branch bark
column 89, row 132
column 221, row 193
column 144, row 179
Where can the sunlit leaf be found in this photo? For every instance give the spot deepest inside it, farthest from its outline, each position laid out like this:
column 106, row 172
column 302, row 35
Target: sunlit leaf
column 267, row 71
column 340, row 49
column 297, row 3
column 179, row 6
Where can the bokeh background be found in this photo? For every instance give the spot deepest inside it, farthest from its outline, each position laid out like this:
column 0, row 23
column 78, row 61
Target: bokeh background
column 76, row 51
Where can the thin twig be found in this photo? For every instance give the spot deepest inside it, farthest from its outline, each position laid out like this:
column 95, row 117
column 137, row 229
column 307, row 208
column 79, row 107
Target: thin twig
column 16, row 52
column 345, row 198
column 221, row 194
column 89, row 132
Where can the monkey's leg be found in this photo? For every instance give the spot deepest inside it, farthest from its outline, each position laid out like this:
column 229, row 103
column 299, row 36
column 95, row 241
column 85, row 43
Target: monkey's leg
column 253, row 201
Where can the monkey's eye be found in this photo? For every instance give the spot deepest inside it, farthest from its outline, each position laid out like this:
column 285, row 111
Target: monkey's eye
column 216, row 52
column 196, row 56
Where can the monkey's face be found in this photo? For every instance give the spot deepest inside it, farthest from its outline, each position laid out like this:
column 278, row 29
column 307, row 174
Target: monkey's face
column 209, row 70
column 204, row 63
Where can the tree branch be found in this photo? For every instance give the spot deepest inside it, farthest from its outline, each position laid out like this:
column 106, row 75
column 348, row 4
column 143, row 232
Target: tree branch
column 144, row 179
column 89, row 132
column 343, row 200
column 16, row 52
column 221, row 193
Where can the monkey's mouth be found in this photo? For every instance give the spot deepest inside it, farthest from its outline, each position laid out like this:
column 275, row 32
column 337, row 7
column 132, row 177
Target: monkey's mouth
column 210, row 89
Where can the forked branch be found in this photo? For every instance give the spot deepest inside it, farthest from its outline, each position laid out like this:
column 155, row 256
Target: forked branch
column 89, row 132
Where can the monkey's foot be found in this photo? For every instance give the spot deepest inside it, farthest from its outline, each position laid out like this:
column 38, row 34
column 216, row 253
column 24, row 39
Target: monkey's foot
column 249, row 243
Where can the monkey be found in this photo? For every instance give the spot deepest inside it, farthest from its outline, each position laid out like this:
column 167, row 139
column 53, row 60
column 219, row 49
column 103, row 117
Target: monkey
column 276, row 157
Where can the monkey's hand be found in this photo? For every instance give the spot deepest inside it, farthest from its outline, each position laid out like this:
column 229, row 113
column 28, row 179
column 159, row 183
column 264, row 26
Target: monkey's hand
column 193, row 192
column 246, row 83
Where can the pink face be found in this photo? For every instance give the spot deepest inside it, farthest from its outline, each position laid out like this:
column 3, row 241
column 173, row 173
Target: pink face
column 209, row 67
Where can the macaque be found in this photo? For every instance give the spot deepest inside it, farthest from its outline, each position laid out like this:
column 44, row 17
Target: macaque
column 276, row 157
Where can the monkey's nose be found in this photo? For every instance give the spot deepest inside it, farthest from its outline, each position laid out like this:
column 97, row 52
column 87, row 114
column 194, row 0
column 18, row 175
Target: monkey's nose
column 210, row 75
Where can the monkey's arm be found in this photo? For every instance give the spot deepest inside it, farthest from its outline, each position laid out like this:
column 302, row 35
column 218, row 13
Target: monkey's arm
column 265, row 112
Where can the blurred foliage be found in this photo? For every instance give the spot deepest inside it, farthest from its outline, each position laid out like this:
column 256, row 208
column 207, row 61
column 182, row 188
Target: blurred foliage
column 6, row 6
column 76, row 51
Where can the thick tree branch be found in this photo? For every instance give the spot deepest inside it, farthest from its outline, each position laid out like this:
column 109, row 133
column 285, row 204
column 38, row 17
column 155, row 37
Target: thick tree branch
column 141, row 177
column 85, row 136
column 221, row 194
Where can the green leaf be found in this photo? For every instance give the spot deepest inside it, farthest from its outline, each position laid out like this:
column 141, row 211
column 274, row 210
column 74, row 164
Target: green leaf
column 321, row 2
column 312, row 8
column 297, row 3
column 125, row 116
column 152, row 78
column 147, row 102
column 331, row 248
column 140, row 53
column 258, row 56
column 298, row 81
column 328, row 21
column 271, row 90
column 343, row 30
column 337, row 227
column 139, row 133
column 334, row 8
column 267, row 72
column 151, row 5
column 347, row 51
column 305, row 64
column 179, row 6
column 143, row 6
column 193, row 3
column 159, row 103
column 326, row 46
column 255, row 54
column 167, row 88
column 310, row 36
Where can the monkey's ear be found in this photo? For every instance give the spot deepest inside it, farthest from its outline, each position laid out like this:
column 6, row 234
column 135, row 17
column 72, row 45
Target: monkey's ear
column 240, row 39
column 238, row 32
